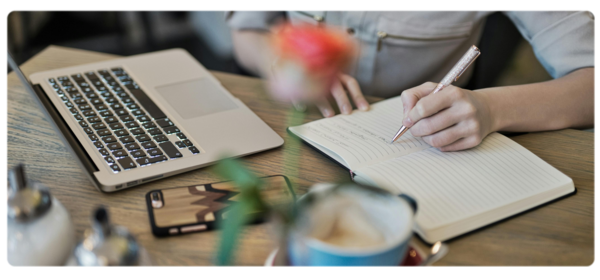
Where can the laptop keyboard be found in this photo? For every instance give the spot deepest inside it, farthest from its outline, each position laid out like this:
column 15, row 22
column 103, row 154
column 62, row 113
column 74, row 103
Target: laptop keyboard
column 124, row 124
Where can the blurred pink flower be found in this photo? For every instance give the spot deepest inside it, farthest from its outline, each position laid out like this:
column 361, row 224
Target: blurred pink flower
column 310, row 58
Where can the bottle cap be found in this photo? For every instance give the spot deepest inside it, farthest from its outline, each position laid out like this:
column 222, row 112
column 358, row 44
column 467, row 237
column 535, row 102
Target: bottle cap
column 26, row 201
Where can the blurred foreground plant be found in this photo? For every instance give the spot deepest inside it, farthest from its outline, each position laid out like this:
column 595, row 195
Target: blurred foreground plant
column 310, row 58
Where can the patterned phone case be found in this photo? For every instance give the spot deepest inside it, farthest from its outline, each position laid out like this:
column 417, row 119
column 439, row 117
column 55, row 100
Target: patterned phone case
column 199, row 208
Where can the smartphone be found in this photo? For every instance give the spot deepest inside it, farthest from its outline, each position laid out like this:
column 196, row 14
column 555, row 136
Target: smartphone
column 198, row 208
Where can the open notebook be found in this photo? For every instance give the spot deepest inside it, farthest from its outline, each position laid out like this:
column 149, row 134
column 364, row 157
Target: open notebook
column 456, row 192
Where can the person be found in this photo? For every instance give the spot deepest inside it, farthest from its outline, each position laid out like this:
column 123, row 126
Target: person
column 404, row 52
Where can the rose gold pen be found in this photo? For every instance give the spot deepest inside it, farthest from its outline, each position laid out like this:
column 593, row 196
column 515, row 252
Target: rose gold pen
column 455, row 73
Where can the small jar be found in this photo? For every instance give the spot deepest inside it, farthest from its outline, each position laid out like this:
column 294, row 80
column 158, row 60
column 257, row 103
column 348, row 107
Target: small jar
column 40, row 231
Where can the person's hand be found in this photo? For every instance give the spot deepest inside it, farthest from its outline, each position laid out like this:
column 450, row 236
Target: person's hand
column 451, row 120
column 344, row 83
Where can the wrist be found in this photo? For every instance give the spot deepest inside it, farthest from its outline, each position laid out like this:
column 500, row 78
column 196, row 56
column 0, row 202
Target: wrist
column 490, row 110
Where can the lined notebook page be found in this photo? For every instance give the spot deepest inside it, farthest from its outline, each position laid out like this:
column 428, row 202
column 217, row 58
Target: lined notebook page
column 363, row 138
column 453, row 186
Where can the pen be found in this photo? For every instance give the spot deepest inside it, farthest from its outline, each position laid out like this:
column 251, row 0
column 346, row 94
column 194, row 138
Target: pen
column 455, row 73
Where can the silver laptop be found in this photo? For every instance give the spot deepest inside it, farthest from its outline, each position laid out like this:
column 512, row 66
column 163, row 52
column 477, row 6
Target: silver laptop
column 142, row 118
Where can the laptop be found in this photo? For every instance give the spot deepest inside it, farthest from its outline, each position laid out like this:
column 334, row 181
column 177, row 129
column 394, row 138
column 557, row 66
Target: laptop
column 142, row 118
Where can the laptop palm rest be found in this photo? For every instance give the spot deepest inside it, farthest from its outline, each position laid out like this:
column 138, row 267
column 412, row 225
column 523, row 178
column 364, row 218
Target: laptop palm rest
column 196, row 98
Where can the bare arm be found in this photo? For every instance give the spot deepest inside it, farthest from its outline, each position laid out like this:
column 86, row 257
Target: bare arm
column 252, row 50
column 566, row 102
column 457, row 119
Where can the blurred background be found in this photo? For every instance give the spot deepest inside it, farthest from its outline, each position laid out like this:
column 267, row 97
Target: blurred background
column 207, row 37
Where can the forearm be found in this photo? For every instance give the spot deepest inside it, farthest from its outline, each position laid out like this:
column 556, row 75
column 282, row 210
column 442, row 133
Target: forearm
column 252, row 50
column 567, row 102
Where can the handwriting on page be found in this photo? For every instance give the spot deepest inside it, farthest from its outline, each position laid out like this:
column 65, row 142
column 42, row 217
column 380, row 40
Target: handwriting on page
column 364, row 137
column 454, row 185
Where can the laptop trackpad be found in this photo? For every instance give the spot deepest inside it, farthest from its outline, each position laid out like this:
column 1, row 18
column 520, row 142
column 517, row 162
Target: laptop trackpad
column 192, row 99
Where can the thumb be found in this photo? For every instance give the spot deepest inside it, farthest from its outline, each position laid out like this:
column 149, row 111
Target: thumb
column 411, row 96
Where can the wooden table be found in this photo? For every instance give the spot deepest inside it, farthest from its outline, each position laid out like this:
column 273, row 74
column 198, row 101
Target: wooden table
column 560, row 233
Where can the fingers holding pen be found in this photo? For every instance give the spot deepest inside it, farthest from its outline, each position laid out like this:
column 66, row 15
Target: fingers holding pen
column 429, row 105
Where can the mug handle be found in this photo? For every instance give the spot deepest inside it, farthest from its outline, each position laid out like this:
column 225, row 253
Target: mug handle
column 411, row 201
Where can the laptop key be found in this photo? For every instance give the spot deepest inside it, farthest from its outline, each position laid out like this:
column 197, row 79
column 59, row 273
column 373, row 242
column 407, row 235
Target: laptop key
column 181, row 136
column 107, row 95
column 73, row 111
column 101, row 107
column 91, row 75
column 133, row 106
column 77, row 77
column 154, row 131
column 121, row 112
column 104, row 152
column 116, row 106
column 143, row 118
column 164, row 123
column 79, row 101
column 180, row 144
column 62, row 78
column 126, row 139
column 88, row 114
column 127, row 163
column 137, row 131
column 98, row 126
column 88, row 92
column 194, row 150
column 127, row 118
column 109, row 139
column 138, row 154
column 132, row 146
column 143, row 138
column 121, row 132
column 170, row 150
column 114, row 146
column 93, row 137
column 110, row 160
column 111, row 100
column 60, row 92
column 110, row 120
column 149, row 145
column 161, row 138
column 96, row 101
column 149, row 125
column 76, row 95
column 131, row 125
column 115, row 168
column 88, row 130
column 94, row 119
column 98, row 144
column 83, row 123
column 115, row 126
column 127, row 100
column 148, row 104
column 78, row 117
column 171, row 130
column 106, row 114
column 52, row 81
column 138, row 112
column 154, row 152
column 120, row 153
column 143, row 161
column 103, row 132
column 188, row 143
column 69, row 104
column 85, row 107
column 158, row 159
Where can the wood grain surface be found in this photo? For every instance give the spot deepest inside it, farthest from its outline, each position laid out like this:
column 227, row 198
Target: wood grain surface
column 559, row 233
